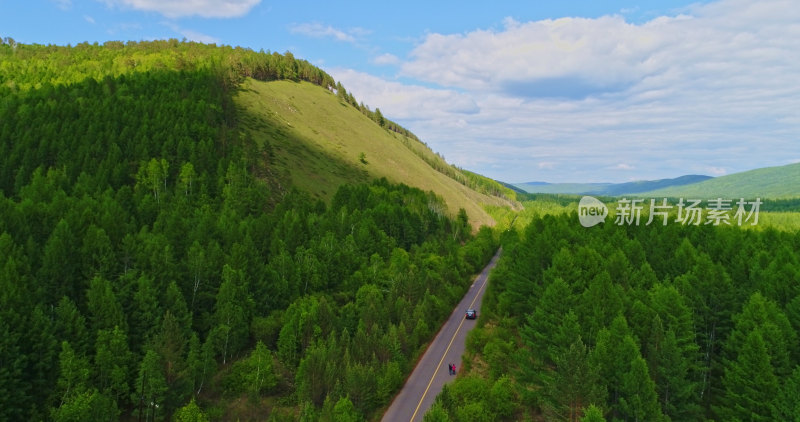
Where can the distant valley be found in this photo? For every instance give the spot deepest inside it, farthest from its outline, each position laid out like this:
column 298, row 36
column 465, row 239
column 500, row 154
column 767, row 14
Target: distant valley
column 778, row 182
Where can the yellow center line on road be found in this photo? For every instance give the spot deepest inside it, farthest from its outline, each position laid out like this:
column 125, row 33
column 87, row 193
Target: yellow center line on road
column 445, row 352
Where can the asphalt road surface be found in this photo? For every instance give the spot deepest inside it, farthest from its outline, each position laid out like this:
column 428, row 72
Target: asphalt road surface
column 431, row 373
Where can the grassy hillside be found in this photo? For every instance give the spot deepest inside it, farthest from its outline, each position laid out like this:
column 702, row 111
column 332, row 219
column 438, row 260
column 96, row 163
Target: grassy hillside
column 155, row 260
column 768, row 182
column 318, row 142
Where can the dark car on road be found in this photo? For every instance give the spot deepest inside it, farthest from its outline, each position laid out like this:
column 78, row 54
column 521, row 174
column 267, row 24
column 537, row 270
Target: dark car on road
column 472, row 314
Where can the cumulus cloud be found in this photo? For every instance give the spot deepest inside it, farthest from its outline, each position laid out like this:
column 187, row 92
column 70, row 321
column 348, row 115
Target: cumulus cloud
column 192, row 35
column 401, row 101
column 717, row 171
column 541, row 58
column 711, row 89
column 199, row 37
column 318, row 30
column 182, row 8
column 386, row 59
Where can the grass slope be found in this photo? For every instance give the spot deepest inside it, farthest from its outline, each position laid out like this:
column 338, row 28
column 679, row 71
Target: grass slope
column 768, row 182
column 317, row 142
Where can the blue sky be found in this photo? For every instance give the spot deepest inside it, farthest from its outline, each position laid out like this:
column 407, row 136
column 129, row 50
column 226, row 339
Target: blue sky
column 573, row 91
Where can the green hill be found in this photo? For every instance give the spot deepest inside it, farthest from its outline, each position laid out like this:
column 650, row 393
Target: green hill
column 769, row 182
column 320, row 141
column 185, row 225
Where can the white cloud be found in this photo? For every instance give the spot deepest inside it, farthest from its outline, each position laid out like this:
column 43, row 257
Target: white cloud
column 318, row 30
column 386, row 59
column 400, row 101
column 551, row 58
column 182, row 8
column 623, row 166
column 89, row 19
column 717, row 171
column 192, row 35
column 711, row 90
column 199, row 37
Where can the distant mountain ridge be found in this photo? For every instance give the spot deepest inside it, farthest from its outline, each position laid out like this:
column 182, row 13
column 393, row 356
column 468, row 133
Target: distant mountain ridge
column 779, row 182
column 644, row 186
column 610, row 189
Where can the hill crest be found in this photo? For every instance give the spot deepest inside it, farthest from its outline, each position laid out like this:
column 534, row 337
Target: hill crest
column 319, row 142
column 778, row 182
column 609, row 189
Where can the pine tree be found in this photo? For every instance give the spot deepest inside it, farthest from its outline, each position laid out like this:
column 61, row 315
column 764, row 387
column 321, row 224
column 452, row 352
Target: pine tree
column 144, row 314
column 776, row 330
column 232, row 313
column 670, row 365
column 344, row 411
column 151, row 387
column 436, row 413
column 59, row 274
column 601, row 302
column 196, row 261
column 614, row 352
column 750, row 383
column 379, row 118
column 576, row 384
column 190, row 413
column 542, row 326
column 787, row 404
column 73, row 378
column 70, row 325
column 98, row 254
column 709, row 292
column 112, row 364
column 105, row 311
column 14, row 386
column 170, row 345
column 175, row 304
column 638, row 401
column 593, row 414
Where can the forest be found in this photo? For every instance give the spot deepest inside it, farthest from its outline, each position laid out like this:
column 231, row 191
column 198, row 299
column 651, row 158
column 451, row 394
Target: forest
column 151, row 270
column 634, row 323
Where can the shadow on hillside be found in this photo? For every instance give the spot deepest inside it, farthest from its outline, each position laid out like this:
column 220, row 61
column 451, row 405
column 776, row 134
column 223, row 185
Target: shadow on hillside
column 292, row 158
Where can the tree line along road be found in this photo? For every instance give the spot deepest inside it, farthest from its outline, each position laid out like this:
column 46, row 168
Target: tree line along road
column 431, row 372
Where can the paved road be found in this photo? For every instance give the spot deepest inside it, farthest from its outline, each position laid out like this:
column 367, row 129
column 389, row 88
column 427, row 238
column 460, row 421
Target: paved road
column 431, row 372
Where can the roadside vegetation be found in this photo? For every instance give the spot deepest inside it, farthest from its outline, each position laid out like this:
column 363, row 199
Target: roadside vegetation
column 634, row 323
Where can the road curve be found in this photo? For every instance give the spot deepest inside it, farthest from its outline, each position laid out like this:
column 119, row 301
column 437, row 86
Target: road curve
column 430, row 374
